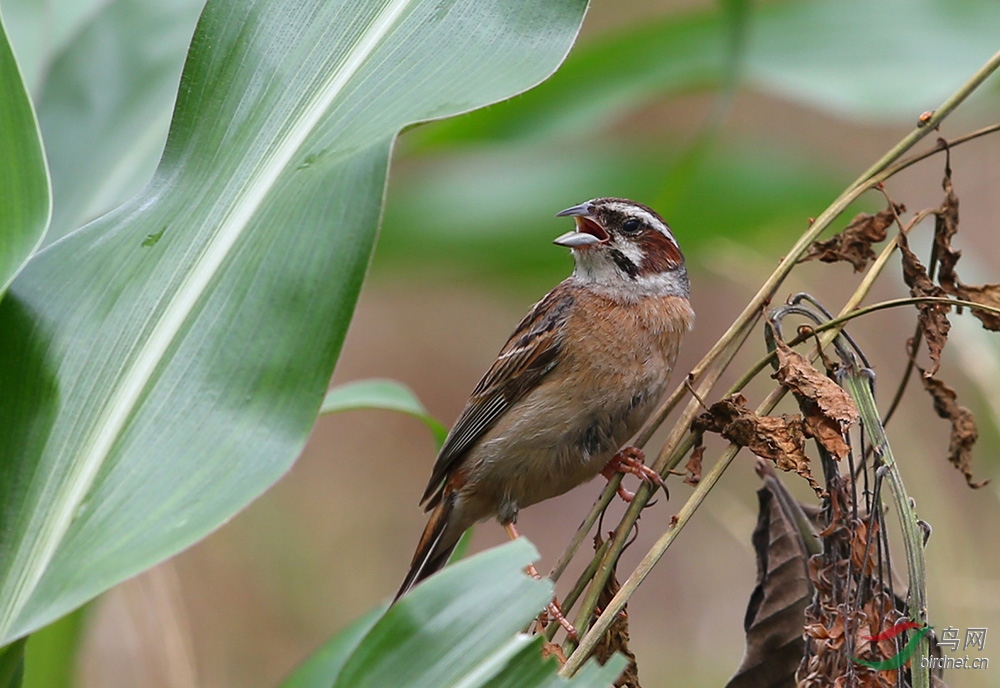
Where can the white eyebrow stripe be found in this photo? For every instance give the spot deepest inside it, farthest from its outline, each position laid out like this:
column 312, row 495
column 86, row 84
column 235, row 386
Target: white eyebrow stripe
column 644, row 215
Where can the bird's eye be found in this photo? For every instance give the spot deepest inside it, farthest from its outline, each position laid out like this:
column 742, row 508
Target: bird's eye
column 631, row 226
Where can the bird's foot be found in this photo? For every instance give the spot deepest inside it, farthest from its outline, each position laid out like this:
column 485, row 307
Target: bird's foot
column 556, row 613
column 553, row 610
column 632, row 460
column 553, row 606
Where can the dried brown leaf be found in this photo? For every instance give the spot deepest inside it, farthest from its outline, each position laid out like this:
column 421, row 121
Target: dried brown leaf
column 778, row 438
column 829, row 410
column 827, row 432
column 854, row 243
column 853, row 601
column 964, row 431
column 945, row 227
column 932, row 318
column 776, row 611
column 986, row 294
column 553, row 650
column 863, row 553
column 720, row 414
column 693, row 466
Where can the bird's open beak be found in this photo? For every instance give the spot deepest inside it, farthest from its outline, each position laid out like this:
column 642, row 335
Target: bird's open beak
column 588, row 230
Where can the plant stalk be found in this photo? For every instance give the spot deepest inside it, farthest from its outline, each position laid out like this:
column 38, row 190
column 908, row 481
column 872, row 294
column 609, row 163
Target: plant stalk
column 858, row 384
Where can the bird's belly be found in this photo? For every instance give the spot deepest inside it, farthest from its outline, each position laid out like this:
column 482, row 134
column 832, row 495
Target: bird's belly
column 549, row 451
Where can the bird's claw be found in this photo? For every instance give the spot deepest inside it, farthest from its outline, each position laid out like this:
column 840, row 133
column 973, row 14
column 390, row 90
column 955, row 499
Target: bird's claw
column 632, row 460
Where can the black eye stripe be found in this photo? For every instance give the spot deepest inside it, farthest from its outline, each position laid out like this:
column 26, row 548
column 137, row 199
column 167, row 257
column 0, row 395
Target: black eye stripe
column 624, row 264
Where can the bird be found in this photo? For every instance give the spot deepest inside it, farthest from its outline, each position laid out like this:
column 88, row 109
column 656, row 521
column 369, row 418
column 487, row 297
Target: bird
column 580, row 374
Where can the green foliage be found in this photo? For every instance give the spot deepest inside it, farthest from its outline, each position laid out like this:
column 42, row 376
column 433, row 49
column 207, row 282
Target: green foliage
column 386, row 395
column 875, row 61
column 459, row 628
column 473, row 189
column 489, row 210
column 153, row 388
column 12, row 665
column 324, row 665
column 104, row 148
column 50, row 655
column 24, row 182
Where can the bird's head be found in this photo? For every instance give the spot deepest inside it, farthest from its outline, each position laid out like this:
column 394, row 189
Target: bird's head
column 626, row 248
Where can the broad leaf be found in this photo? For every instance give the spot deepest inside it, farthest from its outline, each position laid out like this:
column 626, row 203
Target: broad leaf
column 12, row 665
column 51, row 654
column 743, row 194
column 869, row 60
column 163, row 366
column 387, row 395
column 39, row 31
column 103, row 148
column 460, row 628
column 321, row 669
column 855, row 58
column 24, row 181
column 104, row 75
column 604, row 79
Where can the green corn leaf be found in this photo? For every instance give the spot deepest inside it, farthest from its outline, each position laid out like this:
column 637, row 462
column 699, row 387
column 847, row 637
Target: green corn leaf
column 25, row 201
column 163, row 366
column 459, row 629
column 387, row 395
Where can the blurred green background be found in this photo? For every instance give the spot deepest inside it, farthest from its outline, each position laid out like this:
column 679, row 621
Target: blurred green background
column 738, row 121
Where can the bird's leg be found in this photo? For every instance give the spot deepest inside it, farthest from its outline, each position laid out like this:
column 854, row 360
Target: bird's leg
column 553, row 607
column 631, row 460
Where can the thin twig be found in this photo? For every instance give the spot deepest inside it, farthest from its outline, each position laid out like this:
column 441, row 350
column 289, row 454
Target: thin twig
column 940, row 147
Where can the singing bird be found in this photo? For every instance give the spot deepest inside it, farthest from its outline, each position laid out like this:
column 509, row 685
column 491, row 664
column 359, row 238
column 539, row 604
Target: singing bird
column 580, row 374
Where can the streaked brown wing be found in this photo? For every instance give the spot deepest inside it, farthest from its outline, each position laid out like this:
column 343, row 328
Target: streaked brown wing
column 528, row 356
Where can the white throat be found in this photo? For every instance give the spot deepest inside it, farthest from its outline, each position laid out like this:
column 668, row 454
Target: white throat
column 598, row 272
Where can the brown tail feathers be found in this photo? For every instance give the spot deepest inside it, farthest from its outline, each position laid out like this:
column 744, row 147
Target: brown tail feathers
column 435, row 547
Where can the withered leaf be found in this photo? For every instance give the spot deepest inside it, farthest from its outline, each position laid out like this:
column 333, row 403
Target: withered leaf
column 776, row 611
column 617, row 636
column 854, row 243
column 796, row 373
column 863, row 553
column 964, row 432
column 828, row 432
column 932, row 318
column 778, row 438
column 945, row 227
column 829, row 410
column 986, row 294
column 853, row 599
column 848, row 600
column 550, row 649
column 720, row 414
column 693, row 466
